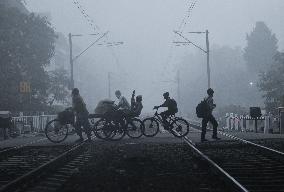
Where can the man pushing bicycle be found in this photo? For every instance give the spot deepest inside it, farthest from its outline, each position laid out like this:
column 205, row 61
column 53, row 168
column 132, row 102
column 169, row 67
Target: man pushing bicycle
column 80, row 109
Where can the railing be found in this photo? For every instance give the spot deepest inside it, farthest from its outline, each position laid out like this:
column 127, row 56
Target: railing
column 27, row 124
column 265, row 124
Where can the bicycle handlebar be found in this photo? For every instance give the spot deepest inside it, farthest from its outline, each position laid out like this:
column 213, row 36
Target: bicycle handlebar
column 69, row 109
column 156, row 112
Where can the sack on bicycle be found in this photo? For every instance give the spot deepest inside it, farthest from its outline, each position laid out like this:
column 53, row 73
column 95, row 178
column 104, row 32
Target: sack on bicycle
column 105, row 106
column 66, row 116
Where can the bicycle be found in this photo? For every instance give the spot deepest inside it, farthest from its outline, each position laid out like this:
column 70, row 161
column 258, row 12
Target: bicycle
column 178, row 126
column 113, row 129
column 57, row 129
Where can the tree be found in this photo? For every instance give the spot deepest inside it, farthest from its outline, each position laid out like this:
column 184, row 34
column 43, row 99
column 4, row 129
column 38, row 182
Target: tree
column 59, row 82
column 261, row 48
column 272, row 84
column 26, row 47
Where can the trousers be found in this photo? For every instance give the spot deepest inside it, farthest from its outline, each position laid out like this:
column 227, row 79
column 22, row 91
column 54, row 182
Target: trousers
column 210, row 118
column 82, row 121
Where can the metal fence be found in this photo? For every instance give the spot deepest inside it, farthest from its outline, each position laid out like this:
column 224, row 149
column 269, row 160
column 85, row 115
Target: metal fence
column 265, row 124
column 30, row 124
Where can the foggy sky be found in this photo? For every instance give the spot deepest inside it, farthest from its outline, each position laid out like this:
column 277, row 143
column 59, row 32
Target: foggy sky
column 146, row 28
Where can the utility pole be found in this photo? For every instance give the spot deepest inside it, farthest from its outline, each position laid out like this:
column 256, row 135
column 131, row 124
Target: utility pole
column 71, row 62
column 178, row 88
column 109, row 89
column 208, row 52
column 72, row 59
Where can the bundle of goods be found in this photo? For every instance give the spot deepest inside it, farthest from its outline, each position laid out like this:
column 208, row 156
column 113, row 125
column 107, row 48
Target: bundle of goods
column 105, row 106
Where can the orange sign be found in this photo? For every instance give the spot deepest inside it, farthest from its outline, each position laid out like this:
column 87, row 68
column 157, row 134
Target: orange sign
column 25, row 87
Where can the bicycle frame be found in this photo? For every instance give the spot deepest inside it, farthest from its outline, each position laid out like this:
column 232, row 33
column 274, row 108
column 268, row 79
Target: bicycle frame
column 178, row 126
column 158, row 117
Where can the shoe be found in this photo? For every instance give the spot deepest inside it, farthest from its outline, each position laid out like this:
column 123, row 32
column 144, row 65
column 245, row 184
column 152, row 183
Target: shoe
column 89, row 140
column 79, row 140
column 203, row 140
column 216, row 138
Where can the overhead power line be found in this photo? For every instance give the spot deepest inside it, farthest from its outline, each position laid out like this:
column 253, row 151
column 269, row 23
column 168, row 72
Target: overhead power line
column 181, row 27
column 186, row 18
column 96, row 28
column 84, row 13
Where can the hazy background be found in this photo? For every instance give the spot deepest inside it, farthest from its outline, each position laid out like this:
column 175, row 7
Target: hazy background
column 148, row 60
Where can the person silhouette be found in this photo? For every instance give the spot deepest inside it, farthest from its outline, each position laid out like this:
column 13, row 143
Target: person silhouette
column 209, row 116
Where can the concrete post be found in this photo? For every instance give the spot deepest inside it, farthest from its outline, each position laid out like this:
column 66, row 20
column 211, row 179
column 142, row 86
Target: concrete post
column 227, row 120
column 266, row 124
column 242, row 123
column 231, row 121
column 281, row 118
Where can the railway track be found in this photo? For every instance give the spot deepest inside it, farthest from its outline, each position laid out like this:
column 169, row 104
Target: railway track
column 16, row 163
column 11, row 149
column 152, row 166
column 29, row 165
column 245, row 165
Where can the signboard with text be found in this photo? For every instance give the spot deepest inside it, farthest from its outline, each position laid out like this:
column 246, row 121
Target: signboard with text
column 25, row 87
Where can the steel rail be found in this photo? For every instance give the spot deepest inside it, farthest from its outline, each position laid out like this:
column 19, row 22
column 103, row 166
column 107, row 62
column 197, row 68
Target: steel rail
column 212, row 164
column 251, row 143
column 9, row 149
column 35, row 173
column 198, row 127
column 221, row 171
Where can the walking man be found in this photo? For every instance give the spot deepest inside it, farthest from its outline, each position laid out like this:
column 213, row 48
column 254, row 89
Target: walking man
column 209, row 116
column 81, row 112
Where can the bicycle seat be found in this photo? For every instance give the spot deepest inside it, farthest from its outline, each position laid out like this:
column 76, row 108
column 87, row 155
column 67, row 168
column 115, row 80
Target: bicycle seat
column 91, row 116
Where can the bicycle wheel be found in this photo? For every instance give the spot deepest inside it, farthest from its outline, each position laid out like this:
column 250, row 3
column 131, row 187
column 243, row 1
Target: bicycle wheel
column 102, row 129
column 118, row 131
column 179, row 127
column 55, row 131
column 151, row 127
column 135, row 128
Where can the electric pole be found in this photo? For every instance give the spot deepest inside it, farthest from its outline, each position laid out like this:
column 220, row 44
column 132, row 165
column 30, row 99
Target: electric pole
column 178, row 88
column 109, row 89
column 71, row 62
column 207, row 51
column 72, row 59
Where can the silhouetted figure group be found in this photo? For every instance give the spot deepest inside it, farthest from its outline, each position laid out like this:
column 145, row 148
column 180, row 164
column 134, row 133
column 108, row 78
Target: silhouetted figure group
column 123, row 109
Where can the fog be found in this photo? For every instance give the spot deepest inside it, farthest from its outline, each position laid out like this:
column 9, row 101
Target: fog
column 148, row 60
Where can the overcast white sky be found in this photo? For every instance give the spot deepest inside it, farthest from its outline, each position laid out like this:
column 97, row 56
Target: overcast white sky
column 227, row 20
column 146, row 28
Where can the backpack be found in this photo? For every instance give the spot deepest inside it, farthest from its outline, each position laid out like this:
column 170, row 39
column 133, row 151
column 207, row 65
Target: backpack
column 202, row 109
column 173, row 105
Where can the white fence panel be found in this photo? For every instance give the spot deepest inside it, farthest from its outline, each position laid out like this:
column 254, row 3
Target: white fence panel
column 31, row 123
